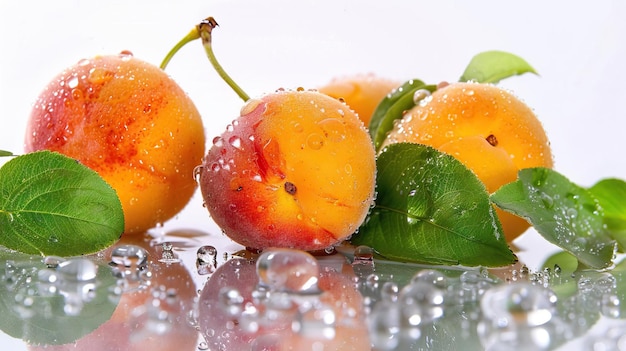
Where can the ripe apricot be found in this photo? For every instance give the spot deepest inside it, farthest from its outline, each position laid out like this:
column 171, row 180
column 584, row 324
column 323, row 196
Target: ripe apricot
column 362, row 92
column 487, row 128
column 297, row 169
column 130, row 122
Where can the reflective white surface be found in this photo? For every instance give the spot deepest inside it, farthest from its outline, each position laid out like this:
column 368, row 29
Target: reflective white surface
column 577, row 48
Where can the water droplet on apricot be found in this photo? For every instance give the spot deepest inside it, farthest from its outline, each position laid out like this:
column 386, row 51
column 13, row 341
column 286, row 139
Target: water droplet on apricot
column 77, row 94
column 250, row 106
column 84, row 62
column 99, row 76
column 420, row 95
column 334, row 129
column 235, row 141
column 315, row 141
column 72, row 82
column 126, row 55
column 197, row 173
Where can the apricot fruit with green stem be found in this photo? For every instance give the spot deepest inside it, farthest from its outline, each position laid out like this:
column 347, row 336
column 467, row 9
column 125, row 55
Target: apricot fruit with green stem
column 362, row 92
column 296, row 169
column 130, row 122
column 489, row 129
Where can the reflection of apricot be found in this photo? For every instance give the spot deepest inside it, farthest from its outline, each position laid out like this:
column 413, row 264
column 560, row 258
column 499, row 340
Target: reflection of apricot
column 130, row 122
column 487, row 128
column 171, row 291
column 362, row 92
column 224, row 330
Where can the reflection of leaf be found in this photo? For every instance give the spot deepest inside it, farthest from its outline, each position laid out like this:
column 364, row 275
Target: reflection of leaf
column 493, row 66
column 562, row 212
column 35, row 314
column 53, row 205
column 432, row 209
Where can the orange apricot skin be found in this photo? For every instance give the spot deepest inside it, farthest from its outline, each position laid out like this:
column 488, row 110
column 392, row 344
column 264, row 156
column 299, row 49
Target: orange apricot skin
column 130, row 122
column 490, row 130
column 296, row 169
column 362, row 92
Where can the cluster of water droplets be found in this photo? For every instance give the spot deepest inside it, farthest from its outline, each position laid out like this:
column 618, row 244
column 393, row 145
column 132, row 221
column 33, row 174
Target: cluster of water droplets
column 450, row 310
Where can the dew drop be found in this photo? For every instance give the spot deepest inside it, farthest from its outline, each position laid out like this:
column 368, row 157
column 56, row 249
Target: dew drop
column 420, row 95
column 235, row 141
column 197, row 173
column 315, row 141
column 72, row 82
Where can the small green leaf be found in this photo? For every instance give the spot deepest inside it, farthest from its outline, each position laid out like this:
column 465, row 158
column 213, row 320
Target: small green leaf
column 562, row 212
column 5, row 153
column 611, row 194
column 493, row 66
column 392, row 107
column 52, row 205
column 432, row 209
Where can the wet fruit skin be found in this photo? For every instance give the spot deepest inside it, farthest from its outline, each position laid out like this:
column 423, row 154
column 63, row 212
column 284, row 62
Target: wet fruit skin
column 296, row 169
column 362, row 92
column 490, row 130
column 130, row 122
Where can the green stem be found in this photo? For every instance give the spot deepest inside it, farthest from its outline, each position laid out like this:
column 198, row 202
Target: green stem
column 193, row 35
column 204, row 29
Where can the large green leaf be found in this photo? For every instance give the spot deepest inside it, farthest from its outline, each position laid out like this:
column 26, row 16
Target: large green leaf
column 493, row 66
column 611, row 193
column 393, row 107
column 432, row 209
column 562, row 212
column 52, row 205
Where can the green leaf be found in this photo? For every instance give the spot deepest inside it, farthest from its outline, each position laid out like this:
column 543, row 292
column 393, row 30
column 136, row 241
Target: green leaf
column 562, row 212
column 432, row 209
column 52, row 205
column 34, row 310
column 392, row 107
column 5, row 153
column 611, row 194
column 493, row 66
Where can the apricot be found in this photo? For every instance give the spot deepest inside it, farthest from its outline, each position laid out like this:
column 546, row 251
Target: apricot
column 296, row 169
column 130, row 122
column 362, row 92
column 490, row 130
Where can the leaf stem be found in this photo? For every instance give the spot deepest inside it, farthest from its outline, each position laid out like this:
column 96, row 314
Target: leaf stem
column 204, row 29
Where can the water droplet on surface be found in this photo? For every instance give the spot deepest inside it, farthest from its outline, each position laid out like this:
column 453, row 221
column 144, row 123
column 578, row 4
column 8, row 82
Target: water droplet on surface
column 316, row 323
column 167, row 253
column 129, row 256
column 78, row 270
column 363, row 255
column 53, row 261
column 288, row 270
column 232, row 301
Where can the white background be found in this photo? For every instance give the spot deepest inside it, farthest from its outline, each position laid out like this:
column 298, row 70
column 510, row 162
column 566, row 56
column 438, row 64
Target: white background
column 578, row 48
